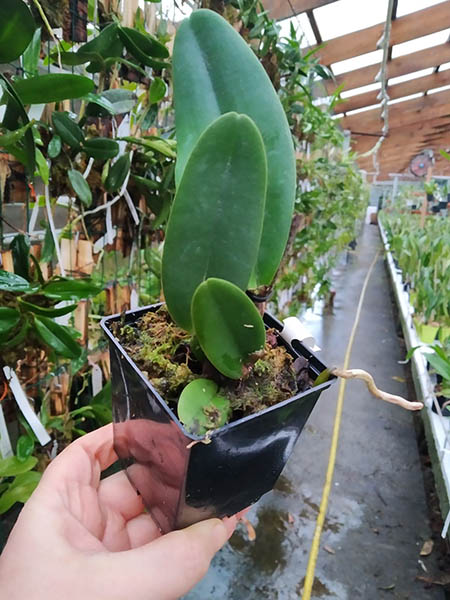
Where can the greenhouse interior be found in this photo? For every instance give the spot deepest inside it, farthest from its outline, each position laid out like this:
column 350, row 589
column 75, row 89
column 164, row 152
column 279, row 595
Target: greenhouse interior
column 272, row 421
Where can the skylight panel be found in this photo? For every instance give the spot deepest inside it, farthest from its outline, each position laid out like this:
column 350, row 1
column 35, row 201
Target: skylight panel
column 409, row 76
column 405, row 7
column 426, row 41
column 357, row 62
column 346, row 16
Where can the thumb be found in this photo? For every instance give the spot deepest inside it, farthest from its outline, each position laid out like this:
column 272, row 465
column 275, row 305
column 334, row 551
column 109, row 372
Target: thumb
column 168, row 567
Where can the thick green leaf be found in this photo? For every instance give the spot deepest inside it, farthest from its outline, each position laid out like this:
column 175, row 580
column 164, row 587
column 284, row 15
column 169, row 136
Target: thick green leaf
column 10, row 467
column 20, row 490
column 57, row 337
column 201, row 408
column 71, row 289
column 53, row 87
column 32, row 54
column 113, row 102
column 80, row 186
column 9, row 318
column 17, row 339
column 16, row 117
column 42, row 167
column 215, row 225
column 20, row 247
column 54, row 146
column 13, row 137
column 9, row 282
column 101, row 148
column 154, row 143
column 158, row 89
column 118, row 173
column 215, row 72
column 142, row 46
column 24, row 447
column 47, row 312
column 48, row 249
column 143, row 182
column 17, row 28
column 440, row 365
column 69, row 131
column 80, row 58
column 107, row 44
column 227, row 324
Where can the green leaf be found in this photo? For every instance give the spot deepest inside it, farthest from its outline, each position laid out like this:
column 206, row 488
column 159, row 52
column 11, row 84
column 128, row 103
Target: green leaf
column 24, row 447
column 16, row 117
column 71, row 289
column 444, row 154
column 42, row 167
column 52, row 88
column 107, row 44
column 322, row 377
column 143, row 182
column 158, row 89
column 201, row 408
column 20, row 490
column 153, row 260
column 57, row 337
column 47, row 312
column 10, row 467
column 80, row 186
column 153, row 143
column 101, row 148
column 10, row 282
column 48, row 249
column 227, row 324
column 13, row 137
column 54, row 146
column 215, row 72
column 118, row 173
column 20, row 247
column 9, row 319
column 215, row 224
column 74, row 59
column 69, row 131
column 142, row 46
column 18, row 338
column 110, row 102
column 440, row 365
column 17, row 28
column 31, row 55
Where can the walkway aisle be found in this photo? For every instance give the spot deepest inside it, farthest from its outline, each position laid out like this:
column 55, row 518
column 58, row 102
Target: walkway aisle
column 377, row 517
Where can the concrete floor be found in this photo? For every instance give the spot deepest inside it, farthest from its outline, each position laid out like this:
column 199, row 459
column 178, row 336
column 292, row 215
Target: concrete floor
column 377, row 517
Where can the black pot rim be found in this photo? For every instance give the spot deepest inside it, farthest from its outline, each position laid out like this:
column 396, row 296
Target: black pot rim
column 104, row 325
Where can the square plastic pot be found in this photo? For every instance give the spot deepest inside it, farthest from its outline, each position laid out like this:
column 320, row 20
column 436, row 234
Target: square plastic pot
column 181, row 479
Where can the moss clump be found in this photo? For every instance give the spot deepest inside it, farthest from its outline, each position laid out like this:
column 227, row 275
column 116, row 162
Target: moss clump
column 170, row 359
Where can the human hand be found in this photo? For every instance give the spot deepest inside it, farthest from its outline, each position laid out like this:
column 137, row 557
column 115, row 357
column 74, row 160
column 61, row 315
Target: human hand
column 79, row 537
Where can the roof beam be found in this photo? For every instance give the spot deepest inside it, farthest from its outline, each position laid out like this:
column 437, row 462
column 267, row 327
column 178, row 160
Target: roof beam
column 399, row 90
column 422, row 22
column 415, row 61
column 401, row 114
column 282, row 9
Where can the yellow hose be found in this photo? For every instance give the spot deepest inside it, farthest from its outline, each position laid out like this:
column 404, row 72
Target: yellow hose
column 312, row 560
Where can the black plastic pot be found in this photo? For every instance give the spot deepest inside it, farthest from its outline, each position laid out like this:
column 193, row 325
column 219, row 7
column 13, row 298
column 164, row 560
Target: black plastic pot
column 182, row 482
column 443, row 204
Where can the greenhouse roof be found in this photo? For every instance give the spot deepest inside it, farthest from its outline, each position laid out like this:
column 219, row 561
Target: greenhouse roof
column 417, row 73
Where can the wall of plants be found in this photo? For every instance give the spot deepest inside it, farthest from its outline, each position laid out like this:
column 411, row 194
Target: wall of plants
column 87, row 160
column 422, row 252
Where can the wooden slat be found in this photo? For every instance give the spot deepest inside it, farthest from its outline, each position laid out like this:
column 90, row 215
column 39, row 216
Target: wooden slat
column 281, row 9
column 399, row 90
column 423, row 59
column 404, row 113
column 423, row 22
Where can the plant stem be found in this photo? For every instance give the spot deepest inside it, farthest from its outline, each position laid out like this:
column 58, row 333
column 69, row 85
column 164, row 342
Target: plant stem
column 49, row 29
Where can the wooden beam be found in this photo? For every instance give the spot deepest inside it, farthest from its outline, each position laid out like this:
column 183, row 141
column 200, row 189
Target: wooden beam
column 423, row 59
column 283, row 9
column 399, row 90
column 409, row 27
column 401, row 114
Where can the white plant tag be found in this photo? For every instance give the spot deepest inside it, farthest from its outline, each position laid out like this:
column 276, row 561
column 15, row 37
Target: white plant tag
column 97, row 380
column 5, row 443
column 295, row 330
column 134, row 299
column 25, row 406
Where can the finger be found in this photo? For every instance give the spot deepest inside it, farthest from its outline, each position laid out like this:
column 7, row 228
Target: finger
column 142, row 530
column 84, row 460
column 168, row 567
column 117, row 493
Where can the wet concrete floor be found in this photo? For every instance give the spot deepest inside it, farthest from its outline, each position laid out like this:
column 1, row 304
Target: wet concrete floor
column 377, row 516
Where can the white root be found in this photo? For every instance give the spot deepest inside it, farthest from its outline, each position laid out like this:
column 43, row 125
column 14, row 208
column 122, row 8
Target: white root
column 368, row 379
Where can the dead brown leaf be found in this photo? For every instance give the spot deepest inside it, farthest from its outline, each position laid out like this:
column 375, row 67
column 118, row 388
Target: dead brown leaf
column 427, row 548
column 398, row 378
column 329, row 550
column 251, row 533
